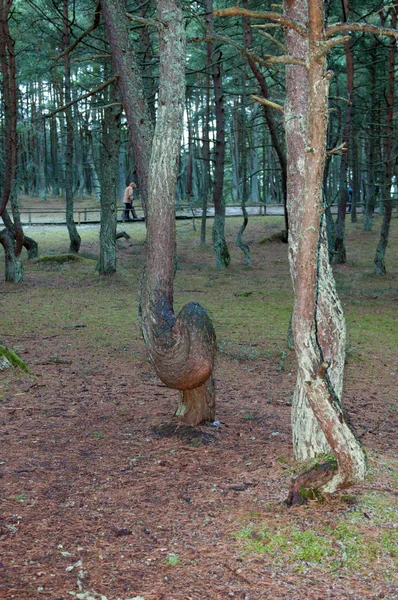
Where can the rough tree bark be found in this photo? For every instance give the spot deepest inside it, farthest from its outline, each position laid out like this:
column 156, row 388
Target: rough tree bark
column 11, row 238
column 318, row 321
column 131, row 87
column 181, row 347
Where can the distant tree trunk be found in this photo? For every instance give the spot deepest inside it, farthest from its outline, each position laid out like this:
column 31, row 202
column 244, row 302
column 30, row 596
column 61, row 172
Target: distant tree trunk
column 125, row 65
column 318, row 321
column 269, row 118
column 370, row 199
column 206, row 141
column 109, row 174
column 389, row 159
column 340, row 255
column 182, row 347
column 219, row 243
column 74, row 237
column 254, row 160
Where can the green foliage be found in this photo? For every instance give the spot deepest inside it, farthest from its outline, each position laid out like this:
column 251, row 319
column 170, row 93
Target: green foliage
column 13, row 358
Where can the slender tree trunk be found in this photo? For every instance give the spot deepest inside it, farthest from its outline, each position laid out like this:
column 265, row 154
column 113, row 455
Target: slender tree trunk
column 109, row 175
column 74, row 237
column 219, row 243
column 181, row 347
column 318, row 322
column 269, row 118
column 340, row 255
column 125, row 65
column 389, row 159
column 206, row 143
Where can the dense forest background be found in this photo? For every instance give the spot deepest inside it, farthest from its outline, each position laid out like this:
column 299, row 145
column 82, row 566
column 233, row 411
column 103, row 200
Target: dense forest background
column 249, row 60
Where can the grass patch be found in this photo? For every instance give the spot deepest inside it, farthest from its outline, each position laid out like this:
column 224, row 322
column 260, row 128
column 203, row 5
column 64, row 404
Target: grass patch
column 364, row 535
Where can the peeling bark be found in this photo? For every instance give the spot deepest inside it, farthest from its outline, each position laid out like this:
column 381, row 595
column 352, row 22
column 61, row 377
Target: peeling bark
column 182, row 347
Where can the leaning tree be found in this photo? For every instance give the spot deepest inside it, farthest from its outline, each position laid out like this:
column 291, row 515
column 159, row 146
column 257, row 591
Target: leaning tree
column 181, row 347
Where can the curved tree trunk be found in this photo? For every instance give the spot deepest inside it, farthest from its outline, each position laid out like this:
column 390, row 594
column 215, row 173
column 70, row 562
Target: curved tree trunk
column 181, row 347
column 318, row 322
column 13, row 266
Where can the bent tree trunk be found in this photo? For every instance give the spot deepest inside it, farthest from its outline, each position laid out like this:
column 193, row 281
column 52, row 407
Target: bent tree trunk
column 182, row 347
column 318, row 322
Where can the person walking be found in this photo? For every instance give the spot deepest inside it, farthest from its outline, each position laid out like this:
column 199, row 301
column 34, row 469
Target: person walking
column 128, row 202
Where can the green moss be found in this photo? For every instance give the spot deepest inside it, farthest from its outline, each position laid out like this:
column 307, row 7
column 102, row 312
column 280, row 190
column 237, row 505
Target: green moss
column 13, row 358
column 59, row 258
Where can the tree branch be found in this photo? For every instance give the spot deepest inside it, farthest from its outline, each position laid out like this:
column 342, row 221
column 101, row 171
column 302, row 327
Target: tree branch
column 81, row 37
column 142, row 21
column 235, row 11
column 265, row 102
column 360, row 27
column 83, row 97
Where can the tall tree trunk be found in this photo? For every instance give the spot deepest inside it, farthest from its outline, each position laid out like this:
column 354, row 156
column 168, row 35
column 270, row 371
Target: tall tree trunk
column 219, row 243
column 206, row 141
column 12, row 238
column 269, row 118
column 318, row 322
column 370, row 199
column 132, row 93
column 109, row 176
column 389, row 159
column 181, row 347
column 74, row 237
column 340, row 255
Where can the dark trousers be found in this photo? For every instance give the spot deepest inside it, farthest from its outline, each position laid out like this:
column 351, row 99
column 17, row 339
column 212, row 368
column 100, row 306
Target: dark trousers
column 129, row 207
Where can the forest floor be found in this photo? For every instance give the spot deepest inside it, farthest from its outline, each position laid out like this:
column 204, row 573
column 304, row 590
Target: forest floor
column 101, row 499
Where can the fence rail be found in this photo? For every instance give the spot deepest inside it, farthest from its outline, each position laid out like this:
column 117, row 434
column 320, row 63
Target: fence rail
column 92, row 215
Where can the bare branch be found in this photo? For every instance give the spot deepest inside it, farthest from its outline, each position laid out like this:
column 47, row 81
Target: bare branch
column 265, row 102
column 83, row 97
column 235, row 11
column 227, row 40
column 326, row 46
column 94, row 25
column 286, row 60
column 269, row 37
column 360, row 27
column 91, row 58
column 338, row 150
column 142, row 21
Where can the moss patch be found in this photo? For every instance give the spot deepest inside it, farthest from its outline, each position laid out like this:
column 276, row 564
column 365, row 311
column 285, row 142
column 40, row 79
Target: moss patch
column 13, row 358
